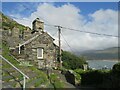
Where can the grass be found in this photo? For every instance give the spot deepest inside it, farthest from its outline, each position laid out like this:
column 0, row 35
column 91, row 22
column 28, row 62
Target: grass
column 40, row 79
column 5, row 53
column 57, row 83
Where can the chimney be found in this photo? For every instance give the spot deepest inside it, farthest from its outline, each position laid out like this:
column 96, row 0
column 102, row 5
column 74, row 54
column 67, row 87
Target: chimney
column 38, row 26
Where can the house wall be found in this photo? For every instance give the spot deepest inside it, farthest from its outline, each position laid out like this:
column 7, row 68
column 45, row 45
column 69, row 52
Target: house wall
column 49, row 51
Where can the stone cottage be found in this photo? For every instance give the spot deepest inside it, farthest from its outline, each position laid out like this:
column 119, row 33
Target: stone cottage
column 34, row 46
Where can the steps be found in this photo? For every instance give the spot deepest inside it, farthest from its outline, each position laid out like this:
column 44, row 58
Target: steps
column 38, row 79
column 12, row 78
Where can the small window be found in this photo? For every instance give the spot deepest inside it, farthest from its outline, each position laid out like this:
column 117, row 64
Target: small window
column 40, row 53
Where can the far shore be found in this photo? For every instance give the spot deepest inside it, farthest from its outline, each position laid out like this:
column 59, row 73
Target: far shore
column 105, row 60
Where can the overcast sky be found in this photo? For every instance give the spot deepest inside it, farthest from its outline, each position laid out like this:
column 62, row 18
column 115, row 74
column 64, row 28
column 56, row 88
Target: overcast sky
column 92, row 17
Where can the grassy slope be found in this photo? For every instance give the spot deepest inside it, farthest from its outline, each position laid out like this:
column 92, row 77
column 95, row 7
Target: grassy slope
column 8, row 23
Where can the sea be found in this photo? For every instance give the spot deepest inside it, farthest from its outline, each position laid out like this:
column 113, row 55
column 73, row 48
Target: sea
column 101, row 64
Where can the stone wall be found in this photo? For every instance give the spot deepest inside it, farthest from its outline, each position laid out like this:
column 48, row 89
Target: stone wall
column 11, row 36
column 49, row 51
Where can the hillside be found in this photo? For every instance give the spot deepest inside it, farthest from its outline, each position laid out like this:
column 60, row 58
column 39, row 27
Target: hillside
column 8, row 23
column 106, row 54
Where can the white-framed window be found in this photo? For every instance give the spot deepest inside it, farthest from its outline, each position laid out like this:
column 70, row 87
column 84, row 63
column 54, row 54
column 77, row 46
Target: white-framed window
column 40, row 53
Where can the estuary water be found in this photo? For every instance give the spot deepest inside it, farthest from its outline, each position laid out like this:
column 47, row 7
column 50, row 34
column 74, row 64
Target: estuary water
column 100, row 64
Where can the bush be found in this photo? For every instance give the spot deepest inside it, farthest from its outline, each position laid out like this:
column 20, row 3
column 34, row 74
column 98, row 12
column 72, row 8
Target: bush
column 71, row 61
column 115, row 76
column 80, row 71
column 94, row 77
column 101, row 78
column 116, row 68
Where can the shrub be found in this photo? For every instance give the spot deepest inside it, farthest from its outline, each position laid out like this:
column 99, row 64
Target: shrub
column 116, row 68
column 71, row 61
column 93, row 77
column 101, row 78
column 80, row 71
column 115, row 76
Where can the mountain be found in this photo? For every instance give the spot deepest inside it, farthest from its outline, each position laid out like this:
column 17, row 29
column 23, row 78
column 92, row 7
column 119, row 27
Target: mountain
column 105, row 54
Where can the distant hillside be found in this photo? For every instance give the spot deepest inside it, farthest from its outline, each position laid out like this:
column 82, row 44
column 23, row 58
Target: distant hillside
column 106, row 54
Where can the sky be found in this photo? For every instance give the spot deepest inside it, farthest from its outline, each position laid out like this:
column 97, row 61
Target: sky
column 98, row 17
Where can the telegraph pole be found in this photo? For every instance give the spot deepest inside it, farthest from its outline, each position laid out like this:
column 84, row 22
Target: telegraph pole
column 59, row 32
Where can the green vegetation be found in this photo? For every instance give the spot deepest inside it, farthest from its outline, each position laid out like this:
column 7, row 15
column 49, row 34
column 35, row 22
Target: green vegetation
column 80, row 71
column 71, row 61
column 8, row 23
column 115, row 75
column 5, row 53
column 100, row 78
column 116, row 68
column 94, row 77
column 57, row 83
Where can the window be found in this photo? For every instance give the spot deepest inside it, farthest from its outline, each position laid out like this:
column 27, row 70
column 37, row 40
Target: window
column 40, row 53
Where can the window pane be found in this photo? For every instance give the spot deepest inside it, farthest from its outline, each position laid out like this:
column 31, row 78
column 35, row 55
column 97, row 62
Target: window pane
column 40, row 53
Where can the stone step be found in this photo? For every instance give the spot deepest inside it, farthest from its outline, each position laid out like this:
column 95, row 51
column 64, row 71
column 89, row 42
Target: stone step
column 50, row 85
column 10, row 70
column 10, row 75
column 43, row 84
column 31, row 74
column 6, row 78
column 5, row 65
column 10, row 84
column 34, row 83
column 16, row 74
